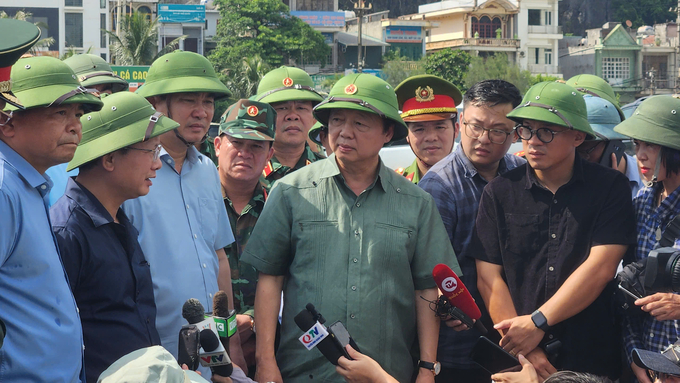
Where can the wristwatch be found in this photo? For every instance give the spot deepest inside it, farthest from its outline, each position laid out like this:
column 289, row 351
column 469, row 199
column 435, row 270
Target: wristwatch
column 540, row 321
column 435, row 367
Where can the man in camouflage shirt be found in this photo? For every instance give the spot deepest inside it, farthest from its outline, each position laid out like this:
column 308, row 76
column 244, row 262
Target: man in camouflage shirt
column 243, row 147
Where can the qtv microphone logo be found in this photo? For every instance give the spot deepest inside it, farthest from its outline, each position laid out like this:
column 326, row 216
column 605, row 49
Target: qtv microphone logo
column 449, row 284
column 313, row 336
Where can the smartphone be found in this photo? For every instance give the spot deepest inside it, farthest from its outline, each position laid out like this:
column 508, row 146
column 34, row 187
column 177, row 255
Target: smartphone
column 616, row 147
column 341, row 338
column 492, row 357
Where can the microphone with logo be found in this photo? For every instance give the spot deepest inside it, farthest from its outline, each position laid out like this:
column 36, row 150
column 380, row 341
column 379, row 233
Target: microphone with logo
column 211, row 353
column 461, row 305
column 330, row 341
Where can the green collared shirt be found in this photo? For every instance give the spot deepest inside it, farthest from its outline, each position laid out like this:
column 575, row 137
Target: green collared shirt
column 412, row 173
column 274, row 170
column 243, row 276
column 358, row 259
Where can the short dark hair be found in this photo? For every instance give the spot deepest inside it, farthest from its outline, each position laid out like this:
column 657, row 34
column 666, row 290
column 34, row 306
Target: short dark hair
column 671, row 160
column 492, row 93
column 575, row 377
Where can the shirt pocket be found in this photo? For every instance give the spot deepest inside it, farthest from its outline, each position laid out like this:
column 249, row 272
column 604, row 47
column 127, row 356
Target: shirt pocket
column 315, row 242
column 208, row 218
column 522, row 233
column 394, row 240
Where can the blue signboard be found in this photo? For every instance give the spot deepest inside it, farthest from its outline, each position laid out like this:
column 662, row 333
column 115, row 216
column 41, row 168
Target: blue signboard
column 321, row 19
column 181, row 13
column 403, row 34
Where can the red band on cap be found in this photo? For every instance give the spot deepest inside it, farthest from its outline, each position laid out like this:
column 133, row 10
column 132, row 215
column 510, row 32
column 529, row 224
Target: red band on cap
column 440, row 101
column 5, row 73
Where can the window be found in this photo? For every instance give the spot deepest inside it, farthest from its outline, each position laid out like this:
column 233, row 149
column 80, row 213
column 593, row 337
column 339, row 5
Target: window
column 73, row 30
column 616, row 68
column 102, row 27
column 548, row 56
column 74, row 3
column 103, row 55
column 102, row 4
column 485, row 27
column 537, row 52
column 548, row 18
column 534, row 17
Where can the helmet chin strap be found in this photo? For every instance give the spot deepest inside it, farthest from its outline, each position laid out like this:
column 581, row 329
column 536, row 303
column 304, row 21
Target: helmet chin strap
column 185, row 142
column 655, row 177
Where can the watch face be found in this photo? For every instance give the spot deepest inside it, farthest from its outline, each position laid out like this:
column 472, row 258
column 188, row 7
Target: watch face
column 437, row 368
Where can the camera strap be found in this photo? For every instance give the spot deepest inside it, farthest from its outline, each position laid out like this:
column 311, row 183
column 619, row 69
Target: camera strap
column 670, row 233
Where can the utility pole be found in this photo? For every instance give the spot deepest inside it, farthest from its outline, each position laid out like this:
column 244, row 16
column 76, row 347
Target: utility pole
column 360, row 6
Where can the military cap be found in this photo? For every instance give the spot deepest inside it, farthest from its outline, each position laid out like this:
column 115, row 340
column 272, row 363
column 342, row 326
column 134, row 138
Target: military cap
column 596, row 86
column 427, row 98
column 249, row 120
column 554, row 103
column 364, row 92
column 46, row 81
column 182, row 72
column 287, row 84
column 18, row 37
column 656, row 120
column 314, row 132
column 125, row 119
column 603, row 117
column 93, row 70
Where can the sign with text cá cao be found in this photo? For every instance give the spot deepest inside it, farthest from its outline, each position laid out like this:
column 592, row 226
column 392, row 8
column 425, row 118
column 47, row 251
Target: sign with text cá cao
column 134, row 75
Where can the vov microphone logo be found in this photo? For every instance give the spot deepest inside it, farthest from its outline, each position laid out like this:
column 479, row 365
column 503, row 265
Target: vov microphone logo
column 313, row 336
column 449, row 284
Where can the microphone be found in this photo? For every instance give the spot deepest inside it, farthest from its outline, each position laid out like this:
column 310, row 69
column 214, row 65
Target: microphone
column 189, row 335
column 221, row 310
column 214, row 355
column 193, row 311
column 330, row 341
column 463, row 305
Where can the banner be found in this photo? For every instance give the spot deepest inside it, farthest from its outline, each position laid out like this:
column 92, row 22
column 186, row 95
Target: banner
column 181, row 13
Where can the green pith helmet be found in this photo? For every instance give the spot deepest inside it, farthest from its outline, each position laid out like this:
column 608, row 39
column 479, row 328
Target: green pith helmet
column 596, row 86
column 554, row 103
column 287, row 84
column 46, row 81
column 125, row 119
column 93, row 70
column 314, row 132
column 182, row 72
column 367, row 93
column 603, row 117
column 427, row 98
column 656, row 120
column 17, row 38
column 249, row 120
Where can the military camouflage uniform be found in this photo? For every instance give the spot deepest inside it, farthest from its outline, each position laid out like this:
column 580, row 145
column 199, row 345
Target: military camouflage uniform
column 274, row 171
column 412, row 173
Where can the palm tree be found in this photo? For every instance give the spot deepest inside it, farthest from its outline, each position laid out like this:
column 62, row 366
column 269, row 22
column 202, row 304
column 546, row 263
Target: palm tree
column 137, row 44
column 42, row 43
column 72, row 51
column 243, row 81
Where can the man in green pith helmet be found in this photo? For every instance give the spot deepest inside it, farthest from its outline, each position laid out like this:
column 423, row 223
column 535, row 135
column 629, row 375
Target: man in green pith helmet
column 243, row 147
column 549, row 237
column 182, row 225
column 39, row 127
column 355, row 239
column 428, row 106
column 93, row 72
column 290, row 91
column 108, row 273
column 596, row 86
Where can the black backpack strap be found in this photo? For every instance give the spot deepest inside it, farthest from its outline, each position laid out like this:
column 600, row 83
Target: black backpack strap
column 670, row 233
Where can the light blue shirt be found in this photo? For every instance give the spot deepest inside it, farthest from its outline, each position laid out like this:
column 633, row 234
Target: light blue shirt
column 59, row 177
column 44, row 340
column 181, row 223
column 633, row 174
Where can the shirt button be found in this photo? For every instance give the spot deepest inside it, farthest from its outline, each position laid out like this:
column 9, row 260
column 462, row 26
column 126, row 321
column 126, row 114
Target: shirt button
column 83, row 347
column 78, row 310
column 551, row 268
column 550, row 336
column 356, row 232
column 43, row 187
column 553, row 235
column 210, row 295
column 398, row 190
column 554, row 201
column 354, row 288
column 651, row 335
column 358, row 204
column 187, row 206
column 168, row 160
column 352, row 316
column 196, row 236
column 147, row 320
column 204, row 266
column 355, row 260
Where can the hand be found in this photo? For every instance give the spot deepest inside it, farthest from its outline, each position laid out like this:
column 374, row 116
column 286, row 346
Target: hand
column 424, row 376
column 620, row 165
column 540, row 362
column 455, row 323
column 362, row 369
column 640, row 373
column 243, row 322
column 662, row 306
column 268, row 371
column 527, row 375
column 236, row 352
column 522, row 335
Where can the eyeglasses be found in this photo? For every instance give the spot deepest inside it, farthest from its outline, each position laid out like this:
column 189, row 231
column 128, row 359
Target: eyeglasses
column 585, row 153
column 475, row 131
column 156, row 151
column 545, row 135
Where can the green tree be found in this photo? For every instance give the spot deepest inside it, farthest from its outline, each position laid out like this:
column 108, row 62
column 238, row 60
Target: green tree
column 242, row 82
column 541, row 78
column 45, row 42
column 643, row 12
column 497, row 67
column 449, row 64
column 72, row 51
column 137, row 44
column 400, row 68
column 264, row 27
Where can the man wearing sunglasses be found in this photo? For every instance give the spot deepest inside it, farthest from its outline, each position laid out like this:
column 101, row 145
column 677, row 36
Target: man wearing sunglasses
column 108, row 273
column 549, row 236
column 456, row 184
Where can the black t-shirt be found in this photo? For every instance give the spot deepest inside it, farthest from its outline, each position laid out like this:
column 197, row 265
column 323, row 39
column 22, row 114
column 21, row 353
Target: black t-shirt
column 540, row 239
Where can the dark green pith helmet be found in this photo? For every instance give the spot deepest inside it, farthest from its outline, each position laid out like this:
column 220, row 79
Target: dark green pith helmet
column 554, row 103
column 249, row 120
column 287, row 84
column 596, row 86
column 93, row 70
column 314, row 132
column 367, row 93
column 656, row 120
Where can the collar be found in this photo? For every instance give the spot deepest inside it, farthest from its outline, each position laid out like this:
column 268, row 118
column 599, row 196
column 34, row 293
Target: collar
column 470, row 169
column 305, row 159
column 25, row 170
column 88, row 202
column 576, row 176
column 259, row 195
column 193, row 156
column 330, row 169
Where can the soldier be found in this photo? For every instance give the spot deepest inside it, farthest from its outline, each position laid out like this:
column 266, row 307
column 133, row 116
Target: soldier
column 182, row 226
column 290, row 91
column 596, row 86
column 107, row 271
column 428, row 106
column 319, row 135
column 39, row 127
column 355, row 239
column 549, row 237
column 243, row 147
column 603, row 117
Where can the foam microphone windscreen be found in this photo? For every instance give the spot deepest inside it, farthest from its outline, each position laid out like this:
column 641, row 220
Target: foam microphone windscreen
column 221, row 304
column 455, row 291
column 193, row 311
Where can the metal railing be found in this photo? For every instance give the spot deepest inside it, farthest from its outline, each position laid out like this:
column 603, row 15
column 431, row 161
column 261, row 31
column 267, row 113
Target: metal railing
column 500, row 43
column 546, row 29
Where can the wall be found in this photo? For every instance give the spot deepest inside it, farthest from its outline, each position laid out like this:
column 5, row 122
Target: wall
column 451, row 27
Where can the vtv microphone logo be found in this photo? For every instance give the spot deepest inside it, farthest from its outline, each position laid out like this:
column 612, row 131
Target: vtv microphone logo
column 214, row 360
column 449, row 284
column 313, row 336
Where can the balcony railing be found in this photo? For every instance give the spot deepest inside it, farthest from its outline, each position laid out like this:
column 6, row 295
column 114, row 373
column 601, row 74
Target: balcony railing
column 498, row 43
column 544, row 69
column 546, row 29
